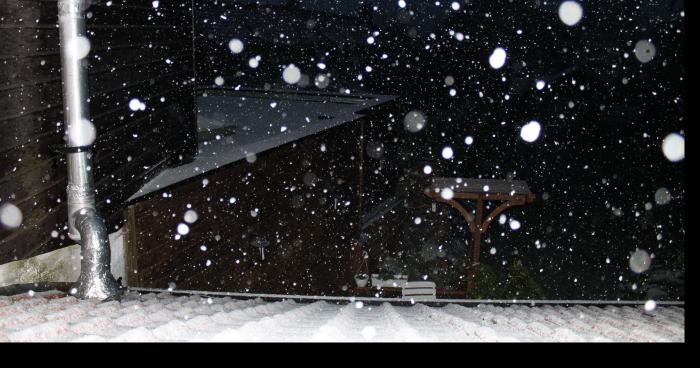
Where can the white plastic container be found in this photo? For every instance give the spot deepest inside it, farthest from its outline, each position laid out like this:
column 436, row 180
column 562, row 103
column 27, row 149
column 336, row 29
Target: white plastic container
column 361, row 280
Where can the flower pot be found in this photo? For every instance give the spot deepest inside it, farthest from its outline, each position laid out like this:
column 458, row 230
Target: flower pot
column 361, row 279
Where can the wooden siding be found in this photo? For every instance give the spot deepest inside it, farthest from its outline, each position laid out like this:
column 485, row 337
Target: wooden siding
column 308, row 203
column 137, row 51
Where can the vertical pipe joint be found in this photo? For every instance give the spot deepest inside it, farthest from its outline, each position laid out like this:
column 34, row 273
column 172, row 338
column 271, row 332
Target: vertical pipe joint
column 80, row 189
column 71, row 18
column 96, row 280
column 72, row 7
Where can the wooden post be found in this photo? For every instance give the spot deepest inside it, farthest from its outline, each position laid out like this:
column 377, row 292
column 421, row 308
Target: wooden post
column 476, row 232
column 478, row 225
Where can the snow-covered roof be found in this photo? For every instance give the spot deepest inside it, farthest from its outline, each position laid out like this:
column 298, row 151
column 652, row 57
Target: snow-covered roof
column 166, row 317
column 262, row 120
column 493, row 186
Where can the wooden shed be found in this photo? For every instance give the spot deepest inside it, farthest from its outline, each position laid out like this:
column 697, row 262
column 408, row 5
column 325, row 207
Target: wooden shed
column 287, row 179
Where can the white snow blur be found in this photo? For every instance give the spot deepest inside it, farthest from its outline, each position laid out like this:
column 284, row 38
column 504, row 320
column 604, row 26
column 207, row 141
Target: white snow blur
column 570, row 12
column 291, row 74
column 530, row 131
column 498, row 58
column 10, row 216
column 673, row 147
column 236, row 46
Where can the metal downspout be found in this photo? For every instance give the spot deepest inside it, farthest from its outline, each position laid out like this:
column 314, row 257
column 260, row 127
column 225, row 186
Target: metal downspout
column 84, row 223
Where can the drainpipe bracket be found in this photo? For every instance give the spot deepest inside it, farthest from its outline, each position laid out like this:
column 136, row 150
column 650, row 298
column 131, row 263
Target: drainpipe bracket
column 72, row 7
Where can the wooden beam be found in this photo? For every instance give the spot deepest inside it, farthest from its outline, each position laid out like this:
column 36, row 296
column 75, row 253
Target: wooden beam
column 467, row 216
column 476, row 247
column 504, row 206
column 478, row 226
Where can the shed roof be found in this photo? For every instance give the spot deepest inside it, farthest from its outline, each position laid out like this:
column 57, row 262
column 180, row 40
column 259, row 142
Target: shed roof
column 491, row 186
column 261, row 120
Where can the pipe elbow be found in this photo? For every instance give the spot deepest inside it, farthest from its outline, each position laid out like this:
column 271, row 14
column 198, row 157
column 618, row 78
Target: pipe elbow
column 96, row 280
column 91, row 227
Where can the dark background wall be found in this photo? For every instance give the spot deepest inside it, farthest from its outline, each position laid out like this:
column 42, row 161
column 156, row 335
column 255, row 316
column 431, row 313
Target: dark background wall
column 137, row 51
column 595, row 167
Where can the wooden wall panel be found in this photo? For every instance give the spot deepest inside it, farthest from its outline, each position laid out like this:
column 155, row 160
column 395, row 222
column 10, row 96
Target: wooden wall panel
column 308, row 207
column 137, row 51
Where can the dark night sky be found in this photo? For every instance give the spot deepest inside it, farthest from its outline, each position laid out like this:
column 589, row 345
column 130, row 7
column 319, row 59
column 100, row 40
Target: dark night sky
column 598, row 160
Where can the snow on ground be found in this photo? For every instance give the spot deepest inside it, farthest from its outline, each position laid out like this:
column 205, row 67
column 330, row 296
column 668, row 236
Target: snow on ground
column 165, row 317
column 62, row 265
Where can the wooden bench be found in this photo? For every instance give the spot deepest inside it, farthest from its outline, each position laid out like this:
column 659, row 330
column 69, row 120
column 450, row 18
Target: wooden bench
column 397, row 292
